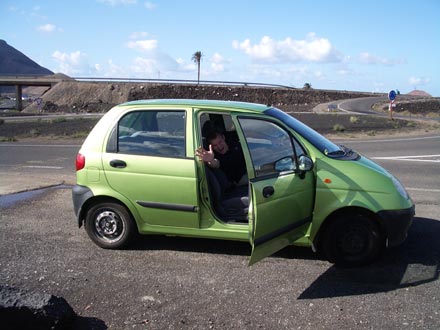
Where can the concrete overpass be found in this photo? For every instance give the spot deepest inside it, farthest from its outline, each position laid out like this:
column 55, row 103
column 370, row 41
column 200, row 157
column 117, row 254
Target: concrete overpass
column 26, row 80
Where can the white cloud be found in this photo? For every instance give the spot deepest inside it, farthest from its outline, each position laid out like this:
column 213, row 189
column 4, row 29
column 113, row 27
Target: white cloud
column 47, row 28
column 419, row 81
column 73, row 64
column 156, row 65
column 343, row 72
column 319, row 74
column 118, row 2
column 110, row 69
column 150, row 5
column 370, row 59
column 143, row 45
column 217, row 63
column 145, row 66
column 312, row 49
column 139, row 35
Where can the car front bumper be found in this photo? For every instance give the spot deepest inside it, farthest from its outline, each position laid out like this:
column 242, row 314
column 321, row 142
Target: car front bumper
column 396, row 223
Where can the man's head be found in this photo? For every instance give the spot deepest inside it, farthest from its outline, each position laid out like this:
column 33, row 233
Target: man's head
column 215, row 137
column 218, row 143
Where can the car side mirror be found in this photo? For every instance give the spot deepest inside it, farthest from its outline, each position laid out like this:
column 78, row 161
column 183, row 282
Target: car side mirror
column 305, row 163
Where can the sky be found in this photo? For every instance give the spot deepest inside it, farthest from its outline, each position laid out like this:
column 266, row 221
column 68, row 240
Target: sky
column 370, row 46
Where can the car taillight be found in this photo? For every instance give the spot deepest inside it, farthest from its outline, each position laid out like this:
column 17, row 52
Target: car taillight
column 80, row 162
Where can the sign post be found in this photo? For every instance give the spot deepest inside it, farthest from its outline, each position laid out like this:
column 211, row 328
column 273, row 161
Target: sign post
column 392, row 97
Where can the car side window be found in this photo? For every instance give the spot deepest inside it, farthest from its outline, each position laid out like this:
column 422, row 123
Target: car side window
column 152, row 133
column 270, row 146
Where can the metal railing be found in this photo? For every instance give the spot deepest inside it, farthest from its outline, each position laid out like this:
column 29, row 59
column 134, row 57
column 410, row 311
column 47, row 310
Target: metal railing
column 183, row 81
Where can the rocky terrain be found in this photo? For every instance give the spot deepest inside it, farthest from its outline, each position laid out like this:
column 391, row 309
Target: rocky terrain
column 85, row 97
column 75, row 97
column 413, row 105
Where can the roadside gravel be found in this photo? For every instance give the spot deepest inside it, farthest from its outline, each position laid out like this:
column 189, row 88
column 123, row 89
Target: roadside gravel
column 184, row 283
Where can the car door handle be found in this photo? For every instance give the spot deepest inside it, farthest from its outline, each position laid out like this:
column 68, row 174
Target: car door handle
column 268, row 191
column 117, row 163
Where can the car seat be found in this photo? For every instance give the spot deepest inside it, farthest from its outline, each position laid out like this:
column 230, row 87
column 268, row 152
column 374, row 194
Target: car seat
column 230, row 203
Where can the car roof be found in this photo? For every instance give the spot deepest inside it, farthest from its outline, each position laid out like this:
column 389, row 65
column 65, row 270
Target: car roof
column 218, row 104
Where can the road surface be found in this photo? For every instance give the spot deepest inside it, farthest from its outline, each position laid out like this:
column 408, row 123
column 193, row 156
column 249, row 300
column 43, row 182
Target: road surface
column 182, row 283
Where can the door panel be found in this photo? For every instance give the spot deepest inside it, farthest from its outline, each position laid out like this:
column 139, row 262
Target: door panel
column 164, row 190
column 279, row 219
column 282, row 196
column 146, row 162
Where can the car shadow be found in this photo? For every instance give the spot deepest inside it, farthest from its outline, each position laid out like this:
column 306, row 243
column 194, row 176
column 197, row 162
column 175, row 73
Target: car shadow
column 413, row 263
column 187, row 244
column 88, row 323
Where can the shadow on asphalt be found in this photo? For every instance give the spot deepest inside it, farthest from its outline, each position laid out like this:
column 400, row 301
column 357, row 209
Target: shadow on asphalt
column 414, row 262
column 88, row 323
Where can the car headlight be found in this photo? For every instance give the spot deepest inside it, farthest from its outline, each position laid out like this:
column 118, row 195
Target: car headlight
column 400, row 188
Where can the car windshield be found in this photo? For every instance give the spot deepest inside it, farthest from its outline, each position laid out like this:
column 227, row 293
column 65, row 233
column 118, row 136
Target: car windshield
column 324, row 145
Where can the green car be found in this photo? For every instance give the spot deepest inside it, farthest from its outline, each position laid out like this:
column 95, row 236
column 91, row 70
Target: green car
column 149, row 167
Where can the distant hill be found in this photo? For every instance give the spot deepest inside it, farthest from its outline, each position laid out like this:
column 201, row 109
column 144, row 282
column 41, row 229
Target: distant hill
column 14, row 62
column 417, row 92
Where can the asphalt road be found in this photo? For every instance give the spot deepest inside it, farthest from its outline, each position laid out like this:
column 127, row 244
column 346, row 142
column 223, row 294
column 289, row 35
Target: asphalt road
column 27, row 166
column 182, row 283
column 361, row 105
column 415, row 161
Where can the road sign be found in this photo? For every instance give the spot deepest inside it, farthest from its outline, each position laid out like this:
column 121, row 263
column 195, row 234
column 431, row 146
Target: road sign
column 392, row 95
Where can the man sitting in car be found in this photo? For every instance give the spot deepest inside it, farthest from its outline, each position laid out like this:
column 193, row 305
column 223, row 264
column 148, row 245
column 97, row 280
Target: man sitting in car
column 228, row 156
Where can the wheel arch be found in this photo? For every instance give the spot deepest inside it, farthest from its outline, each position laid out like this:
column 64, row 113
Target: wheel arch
column 345, row 211
column 89, row 203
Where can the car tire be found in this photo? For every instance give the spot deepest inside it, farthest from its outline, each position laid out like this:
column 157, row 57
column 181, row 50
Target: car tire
column 110, row 225
column 352, row 240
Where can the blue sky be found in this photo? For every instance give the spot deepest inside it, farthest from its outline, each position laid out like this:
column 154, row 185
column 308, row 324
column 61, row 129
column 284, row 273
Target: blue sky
column 371, row 46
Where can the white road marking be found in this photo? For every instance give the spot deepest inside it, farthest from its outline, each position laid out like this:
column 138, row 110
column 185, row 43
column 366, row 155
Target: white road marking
column 390, row 140
column 41, row 145
column 416, row 158
column 43, row 166
column 423, row 189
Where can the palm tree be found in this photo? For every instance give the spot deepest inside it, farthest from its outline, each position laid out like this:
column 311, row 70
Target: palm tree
column 197, row 57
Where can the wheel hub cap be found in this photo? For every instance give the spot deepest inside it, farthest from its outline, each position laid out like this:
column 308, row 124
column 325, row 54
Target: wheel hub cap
column 107, row 223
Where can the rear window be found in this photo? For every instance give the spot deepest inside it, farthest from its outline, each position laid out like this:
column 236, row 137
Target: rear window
column 152, row 133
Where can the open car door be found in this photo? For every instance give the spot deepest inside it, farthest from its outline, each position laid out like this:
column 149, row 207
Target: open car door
column 281, row 213
column 282, row 187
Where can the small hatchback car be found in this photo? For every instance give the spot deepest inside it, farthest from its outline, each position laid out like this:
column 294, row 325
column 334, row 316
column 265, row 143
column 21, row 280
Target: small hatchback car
column 138, row 172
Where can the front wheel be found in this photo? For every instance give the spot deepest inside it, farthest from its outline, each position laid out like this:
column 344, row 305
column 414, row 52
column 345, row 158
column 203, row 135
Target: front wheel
column 352, row 240
column 110, row 225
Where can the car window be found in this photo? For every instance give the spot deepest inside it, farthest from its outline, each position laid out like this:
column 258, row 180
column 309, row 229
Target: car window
column 152, row 133
column 270, row 146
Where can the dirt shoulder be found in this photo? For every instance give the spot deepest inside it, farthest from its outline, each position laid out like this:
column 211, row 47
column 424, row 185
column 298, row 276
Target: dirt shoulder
column 329, row 124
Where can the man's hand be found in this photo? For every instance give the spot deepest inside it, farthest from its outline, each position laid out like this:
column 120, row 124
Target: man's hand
column 206, row 156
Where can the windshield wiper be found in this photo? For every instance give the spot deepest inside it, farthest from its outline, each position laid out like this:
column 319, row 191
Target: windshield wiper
column 336, row 153
column 342, row 152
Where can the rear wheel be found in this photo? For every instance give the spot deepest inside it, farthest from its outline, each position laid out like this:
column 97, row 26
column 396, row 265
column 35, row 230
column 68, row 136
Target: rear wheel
column 352, row 240
column 110, row 225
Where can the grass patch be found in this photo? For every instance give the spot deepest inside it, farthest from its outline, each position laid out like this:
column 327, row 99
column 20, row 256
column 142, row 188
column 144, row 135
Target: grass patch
column 433, row 115
column 79, row 135
column 7, row 139
column 354, row 119
column 58, row 120
column 338, row 128
column 34, row 132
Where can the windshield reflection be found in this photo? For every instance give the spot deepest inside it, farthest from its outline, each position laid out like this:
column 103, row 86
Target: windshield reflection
column 324, row 145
